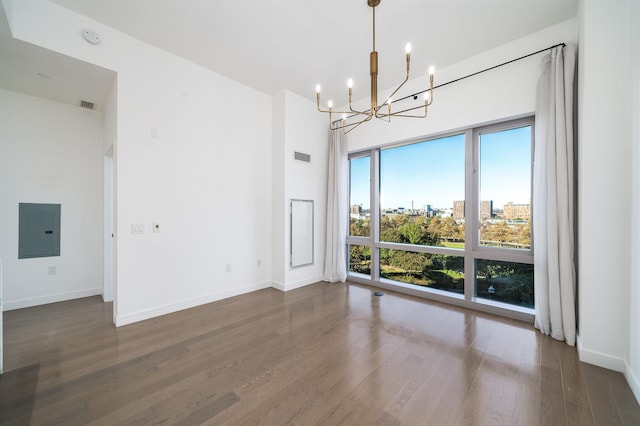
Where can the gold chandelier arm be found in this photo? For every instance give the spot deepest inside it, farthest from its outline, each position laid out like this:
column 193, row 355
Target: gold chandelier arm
column 350, row 126
column 401, row 113
column 330, row 110
column 351, row 107
column 406, row 78
column 430, row 87
column 355, row 125
column 359, row 112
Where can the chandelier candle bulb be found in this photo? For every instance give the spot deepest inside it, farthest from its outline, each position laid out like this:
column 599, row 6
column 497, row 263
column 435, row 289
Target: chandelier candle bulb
column 350, row 83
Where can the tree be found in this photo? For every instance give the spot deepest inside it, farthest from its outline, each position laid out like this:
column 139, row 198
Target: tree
column 412, row 233
column 496, row 232
column 410, row 262
column 449, row 228
column 454, row 263
column 524, row 234
column 360, row 259
column 489, row 269
column 359, row 227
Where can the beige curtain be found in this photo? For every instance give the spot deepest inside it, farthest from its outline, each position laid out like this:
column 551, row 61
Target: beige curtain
column 554, row 198
column 335, row 263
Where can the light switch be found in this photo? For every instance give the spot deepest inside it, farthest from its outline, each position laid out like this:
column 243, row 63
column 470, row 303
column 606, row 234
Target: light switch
column 137, row 228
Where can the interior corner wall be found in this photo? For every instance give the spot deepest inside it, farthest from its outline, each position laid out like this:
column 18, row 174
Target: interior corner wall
column 604, row 183
column 193, row 156
column 110, row 117
column 633, row 363
column 51, row 153
column 300, row 128
column 279, row 209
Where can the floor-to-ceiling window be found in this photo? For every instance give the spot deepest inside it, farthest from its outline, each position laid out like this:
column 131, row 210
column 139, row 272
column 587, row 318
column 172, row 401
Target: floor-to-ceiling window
column 449, row 215
column 360, row 214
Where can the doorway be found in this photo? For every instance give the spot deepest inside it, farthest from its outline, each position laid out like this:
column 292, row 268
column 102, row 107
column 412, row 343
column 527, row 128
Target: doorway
column 107, row 291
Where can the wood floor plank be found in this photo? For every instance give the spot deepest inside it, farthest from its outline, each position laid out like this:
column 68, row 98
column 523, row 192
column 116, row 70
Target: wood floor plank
column 321, row 354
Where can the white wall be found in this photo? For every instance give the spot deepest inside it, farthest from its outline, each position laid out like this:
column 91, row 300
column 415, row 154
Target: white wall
column 279, row 221
column 192, row 154
column 604, row 183
column 633, row 362
column 299, row 128
column 51, row 153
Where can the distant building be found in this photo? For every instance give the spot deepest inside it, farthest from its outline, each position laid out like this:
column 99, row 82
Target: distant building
column 486, row 209
column 445, row 213
column 517, row 211
column 458, row 209
column 428, row 211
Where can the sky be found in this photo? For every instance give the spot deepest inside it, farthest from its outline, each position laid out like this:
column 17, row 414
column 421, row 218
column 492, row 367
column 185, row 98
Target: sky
column 432, row 173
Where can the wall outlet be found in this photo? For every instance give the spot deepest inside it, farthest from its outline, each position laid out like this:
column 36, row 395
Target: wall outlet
column 228, row 267
column 155, row 227
column 259, row 263
column 52, row 270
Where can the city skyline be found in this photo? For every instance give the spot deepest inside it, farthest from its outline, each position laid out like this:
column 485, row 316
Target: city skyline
column 432, row 173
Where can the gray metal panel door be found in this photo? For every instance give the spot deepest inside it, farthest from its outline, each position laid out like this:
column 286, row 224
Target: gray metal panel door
column 39, row 230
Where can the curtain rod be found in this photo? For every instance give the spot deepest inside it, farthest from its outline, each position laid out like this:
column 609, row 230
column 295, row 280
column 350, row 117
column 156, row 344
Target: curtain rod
column 480, row 72
column 415, row 95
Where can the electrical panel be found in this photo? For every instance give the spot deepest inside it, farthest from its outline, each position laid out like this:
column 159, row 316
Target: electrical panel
column 39, row 230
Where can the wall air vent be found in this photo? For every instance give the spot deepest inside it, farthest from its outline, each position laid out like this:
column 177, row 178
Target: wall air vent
column 302, row 157
column 87, row 104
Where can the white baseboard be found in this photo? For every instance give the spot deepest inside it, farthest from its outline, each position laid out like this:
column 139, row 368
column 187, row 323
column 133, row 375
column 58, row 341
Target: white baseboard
column 633, row 381
column 291, row 286
column 278, row 285
column 50, row 298
column 125, row 319
column 600, row 359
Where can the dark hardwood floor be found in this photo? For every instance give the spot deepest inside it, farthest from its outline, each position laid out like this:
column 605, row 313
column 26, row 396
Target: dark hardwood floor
column 323, row 354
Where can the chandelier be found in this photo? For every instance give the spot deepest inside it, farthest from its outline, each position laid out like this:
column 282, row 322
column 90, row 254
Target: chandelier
column 353, row 118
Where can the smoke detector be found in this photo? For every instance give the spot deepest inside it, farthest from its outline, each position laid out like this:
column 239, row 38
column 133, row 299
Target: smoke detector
column 91, row 36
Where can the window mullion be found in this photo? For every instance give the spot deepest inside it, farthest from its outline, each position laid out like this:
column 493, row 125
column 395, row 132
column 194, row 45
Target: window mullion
column 375, row 214
column 470, row 213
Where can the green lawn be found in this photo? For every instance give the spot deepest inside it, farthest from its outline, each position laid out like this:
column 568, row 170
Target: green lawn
column 456, row 245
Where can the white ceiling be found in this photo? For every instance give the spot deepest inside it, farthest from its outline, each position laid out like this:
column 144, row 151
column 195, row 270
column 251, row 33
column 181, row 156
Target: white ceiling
column 295, row 44
column 39, row 72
